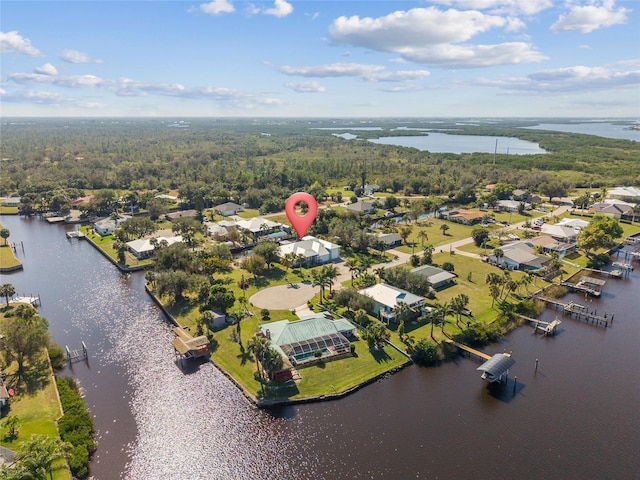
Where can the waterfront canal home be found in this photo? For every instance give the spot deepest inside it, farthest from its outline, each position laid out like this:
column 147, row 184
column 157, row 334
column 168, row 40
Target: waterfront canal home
column 259, row 227
column 107, row 226
column 560, row 233
column 466, row 217
column 310, row 339
column 518, row 256
column 362, row 208
column 315, row 251
column 228, row 209
column 496, row 367
column 546, row 244
column 386, row 298
column 145, row 247
column 438, row 278
column 188, row 346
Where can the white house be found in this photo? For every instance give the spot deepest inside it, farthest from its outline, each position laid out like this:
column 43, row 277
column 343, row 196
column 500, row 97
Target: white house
column 228, row 209
column 259, row 226
column 314, row 250
column 560, row 232
column 438, row 278
column 625, row 193
column 363, row 208
column 144, row 248
column 107, row 226
column 11, row 202
column 387, row 297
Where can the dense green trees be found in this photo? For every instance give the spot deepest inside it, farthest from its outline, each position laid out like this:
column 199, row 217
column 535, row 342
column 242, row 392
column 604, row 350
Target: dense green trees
column 26, row 335
column 211, row 162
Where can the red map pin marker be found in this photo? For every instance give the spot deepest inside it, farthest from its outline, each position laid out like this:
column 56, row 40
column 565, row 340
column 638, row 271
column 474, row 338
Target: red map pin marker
column 301, row 223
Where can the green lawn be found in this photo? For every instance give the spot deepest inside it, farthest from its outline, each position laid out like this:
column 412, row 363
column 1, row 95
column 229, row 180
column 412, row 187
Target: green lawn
column 324, row 378
column 37, row 407
column 7, row 258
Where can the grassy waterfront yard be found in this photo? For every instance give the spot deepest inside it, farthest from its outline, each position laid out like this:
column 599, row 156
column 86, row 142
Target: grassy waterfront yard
column 36, row 406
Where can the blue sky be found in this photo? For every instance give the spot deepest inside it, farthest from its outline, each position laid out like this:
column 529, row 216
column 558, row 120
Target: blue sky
column 452, row 58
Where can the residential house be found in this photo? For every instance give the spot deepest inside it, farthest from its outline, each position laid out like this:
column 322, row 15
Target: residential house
column 524, row 196
column 300, row 341
column 560, row 233
column 438, row 278
column 512, row 205
column 144, row 247
column 625, row 193
column 362, row 208
column 315, row 251
column 518, row 256
column 575, row 223
column 612, row 208
column 387, row 297
column 11, row 202
column 107, row 226
column 259, row 227
column 369, row 190
column 228, row 209
column 466, row 217
column 167, row 197
column 182, row 214
column 390, row 240
column 546, row 244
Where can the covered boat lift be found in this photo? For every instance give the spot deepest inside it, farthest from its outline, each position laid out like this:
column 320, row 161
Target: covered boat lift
column 497, row 366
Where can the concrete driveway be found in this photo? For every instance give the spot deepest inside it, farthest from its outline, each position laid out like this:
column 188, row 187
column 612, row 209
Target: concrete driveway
column 284, row 297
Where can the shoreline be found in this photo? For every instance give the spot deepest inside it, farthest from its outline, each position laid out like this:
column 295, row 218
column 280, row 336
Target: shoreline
column 284, row 402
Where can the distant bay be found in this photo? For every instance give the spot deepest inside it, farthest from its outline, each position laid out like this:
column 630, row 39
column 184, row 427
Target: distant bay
column 601, row 129
column 445, row 143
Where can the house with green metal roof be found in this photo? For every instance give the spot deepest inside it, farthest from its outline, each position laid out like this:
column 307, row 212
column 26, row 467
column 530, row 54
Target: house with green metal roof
column 310, row 338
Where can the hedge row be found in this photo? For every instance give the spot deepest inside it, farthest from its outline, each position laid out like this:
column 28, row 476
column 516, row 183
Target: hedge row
column 76, row 427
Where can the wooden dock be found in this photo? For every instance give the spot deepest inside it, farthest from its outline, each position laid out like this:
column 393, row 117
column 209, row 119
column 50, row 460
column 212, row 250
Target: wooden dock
column 75, row 234
column 470, row 351
column 546, row 328
column 617, row 273
column 581, row 287
column 77, row 355
column 580, row 312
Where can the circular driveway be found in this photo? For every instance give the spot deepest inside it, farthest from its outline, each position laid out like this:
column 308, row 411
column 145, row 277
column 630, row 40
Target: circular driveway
column 284, row 297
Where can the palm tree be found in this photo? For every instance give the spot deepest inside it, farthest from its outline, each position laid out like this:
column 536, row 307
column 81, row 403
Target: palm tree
column 271, row 361
column 375, row 334
column 353, row 267
column 427, row 254
column 330, row 273
column 499, row 254
column 37, row 455
column 444, row 227
column 422, row 236
column 494, row 291
column 7, row 291
column 401, row 310
column 4, row 233
column 258, row 345
column 380, row 273
column 319, row 280
column 441, row 310
column 458, row 305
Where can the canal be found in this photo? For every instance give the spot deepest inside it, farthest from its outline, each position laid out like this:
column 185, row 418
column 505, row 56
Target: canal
column 576, row 417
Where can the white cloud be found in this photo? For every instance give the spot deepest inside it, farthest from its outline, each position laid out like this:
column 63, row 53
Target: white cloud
column 281, row 8
column 45, row 98
column 434, row 37
column 217, row 7
column 46, row 69
column 305, row 87
column 587, row 18
column 74, row 56
column 511, row 7
column 69, row 81
column 570, row 80
column 13, row 42
column 333, row 70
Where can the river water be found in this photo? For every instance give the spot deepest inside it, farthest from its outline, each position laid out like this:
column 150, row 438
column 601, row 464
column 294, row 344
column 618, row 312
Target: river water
column 576, row 417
